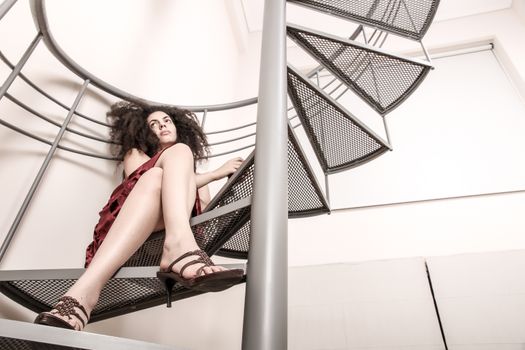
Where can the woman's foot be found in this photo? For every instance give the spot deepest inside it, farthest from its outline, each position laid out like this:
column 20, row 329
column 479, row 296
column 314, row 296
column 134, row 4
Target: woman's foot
column 194, row 270
column 201, row 265
column 173, row 250
column 68, row 313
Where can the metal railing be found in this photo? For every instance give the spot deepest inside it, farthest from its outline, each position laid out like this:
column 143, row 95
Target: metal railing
column 38, row 8
column 44, row 34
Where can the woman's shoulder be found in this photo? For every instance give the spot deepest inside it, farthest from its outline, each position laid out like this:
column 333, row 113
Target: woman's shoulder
column 133, row 159
column 135, row 152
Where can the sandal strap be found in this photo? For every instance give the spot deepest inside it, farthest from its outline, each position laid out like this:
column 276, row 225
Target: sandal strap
column 203, row 259
column 66, row 307
column 198, row 252
column 185, row 255
column 193, row 262
column 206, row 258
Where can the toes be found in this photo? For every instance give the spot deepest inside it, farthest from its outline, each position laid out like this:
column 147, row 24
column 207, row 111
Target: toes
column 213, row 269
column 217, row 268
column 207, row 270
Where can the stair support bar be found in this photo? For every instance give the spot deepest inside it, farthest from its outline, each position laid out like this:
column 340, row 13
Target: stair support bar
column 265, row 313
column 40, row 175
column 5, row 7
column 16, row 70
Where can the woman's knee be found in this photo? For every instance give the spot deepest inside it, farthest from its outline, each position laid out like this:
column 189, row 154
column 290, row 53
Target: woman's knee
column 179, row 151
column 151, row 180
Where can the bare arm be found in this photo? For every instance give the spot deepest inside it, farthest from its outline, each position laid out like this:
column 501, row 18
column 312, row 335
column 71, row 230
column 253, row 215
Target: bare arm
column 133, row 159
column 204, row 196
column 226, row 169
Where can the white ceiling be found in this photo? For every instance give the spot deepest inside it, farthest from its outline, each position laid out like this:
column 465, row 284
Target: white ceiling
column 448, row 9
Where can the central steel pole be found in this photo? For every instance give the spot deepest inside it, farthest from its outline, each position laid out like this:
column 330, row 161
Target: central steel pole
column 266, row 303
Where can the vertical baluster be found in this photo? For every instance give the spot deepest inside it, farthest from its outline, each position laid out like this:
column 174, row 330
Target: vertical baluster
column 5, row 7
column 327, row 191
column 204, row 115
column 429, row 60
column 19, row 65
column 386, row 131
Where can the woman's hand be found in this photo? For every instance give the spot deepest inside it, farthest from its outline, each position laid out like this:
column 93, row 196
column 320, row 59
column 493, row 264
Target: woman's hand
column 224, row 170
column 228, row 168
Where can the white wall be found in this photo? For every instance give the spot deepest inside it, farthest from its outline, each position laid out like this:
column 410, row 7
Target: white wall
column 474, row 224
column 519, row 7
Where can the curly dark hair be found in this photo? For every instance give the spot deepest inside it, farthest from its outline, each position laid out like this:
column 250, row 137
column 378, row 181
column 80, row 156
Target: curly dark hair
column 129, row 129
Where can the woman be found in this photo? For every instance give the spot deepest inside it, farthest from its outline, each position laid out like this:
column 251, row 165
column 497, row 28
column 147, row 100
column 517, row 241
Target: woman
column 159, row 147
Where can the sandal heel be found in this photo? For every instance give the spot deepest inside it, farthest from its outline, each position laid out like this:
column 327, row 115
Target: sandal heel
column 168, row 285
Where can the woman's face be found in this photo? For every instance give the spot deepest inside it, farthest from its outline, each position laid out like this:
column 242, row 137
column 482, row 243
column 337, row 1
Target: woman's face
column 162, row 125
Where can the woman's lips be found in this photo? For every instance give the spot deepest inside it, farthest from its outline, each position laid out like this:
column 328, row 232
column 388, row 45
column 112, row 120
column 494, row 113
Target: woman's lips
column 164, row 133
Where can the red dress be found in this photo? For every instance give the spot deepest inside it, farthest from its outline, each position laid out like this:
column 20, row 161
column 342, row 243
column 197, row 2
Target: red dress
column 115, row 203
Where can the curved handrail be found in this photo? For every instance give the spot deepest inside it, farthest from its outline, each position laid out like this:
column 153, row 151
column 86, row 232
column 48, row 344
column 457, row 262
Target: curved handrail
column 40, row 18
column 65, row 148
column 43, row 117
column 51, row 98
column 45, row 94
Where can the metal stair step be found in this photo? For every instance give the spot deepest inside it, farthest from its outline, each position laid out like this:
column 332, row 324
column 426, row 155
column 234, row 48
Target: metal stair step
column 339, row 139
column 210, row 229
column 305, row 197
column 407, row 18
column 130, row 290
column 16, row 335
column 381, row 79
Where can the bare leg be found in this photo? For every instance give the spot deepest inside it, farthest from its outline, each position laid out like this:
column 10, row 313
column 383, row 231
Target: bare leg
column 178, row 199
column 137, row 219
column 163, row 196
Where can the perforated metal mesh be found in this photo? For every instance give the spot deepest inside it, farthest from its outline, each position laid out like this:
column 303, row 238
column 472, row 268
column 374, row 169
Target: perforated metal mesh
column 382, row 80
column 408, row 18
column 212, row 234
column 14, row 344
column 304, row 194
column 119, row 296
column 240, row 189
column 305, row 198
column 136, row 290
column 19, row 344
column 239, row 244
column 339, row 142
column 149, row 253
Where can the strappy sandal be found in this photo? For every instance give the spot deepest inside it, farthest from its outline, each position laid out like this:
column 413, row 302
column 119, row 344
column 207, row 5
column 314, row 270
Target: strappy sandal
column 213, row 282
column 66, row 308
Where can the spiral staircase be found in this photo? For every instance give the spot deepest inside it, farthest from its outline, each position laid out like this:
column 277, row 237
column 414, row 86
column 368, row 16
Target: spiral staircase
column 338, row 138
